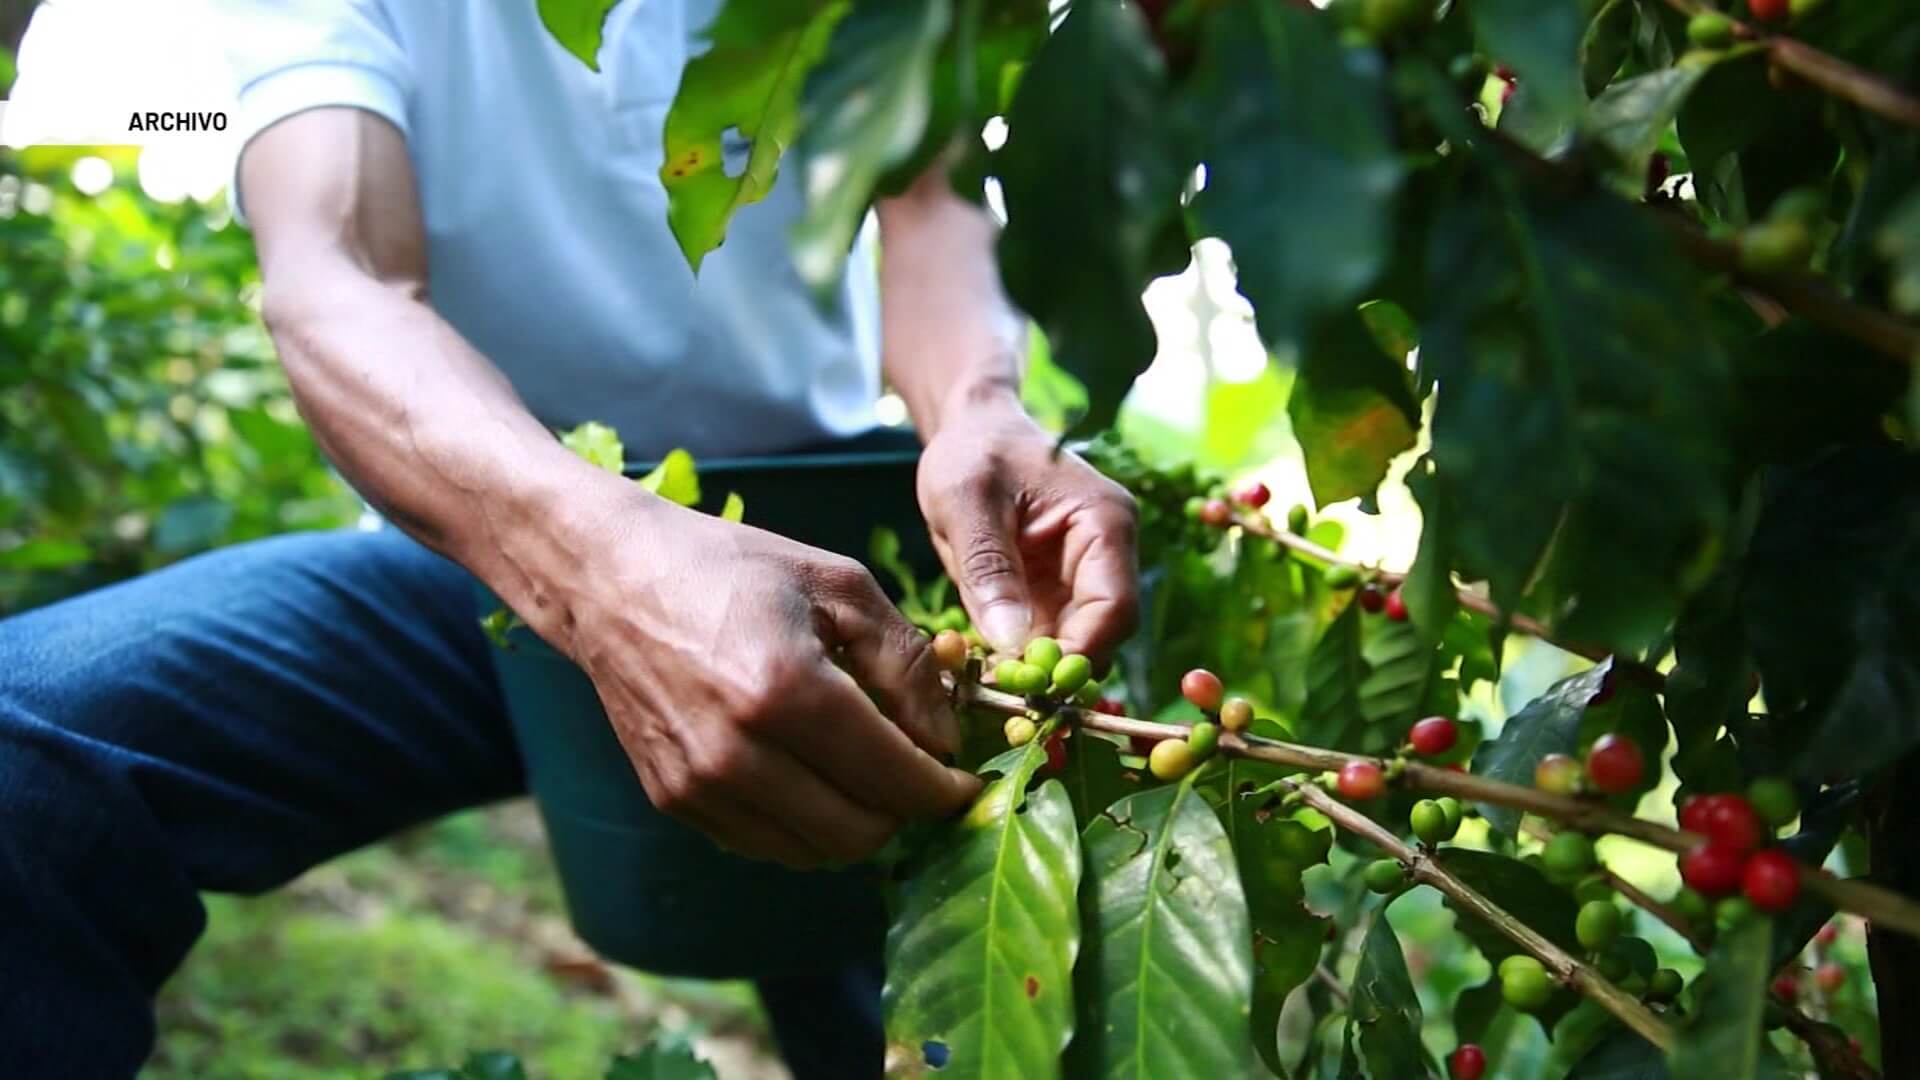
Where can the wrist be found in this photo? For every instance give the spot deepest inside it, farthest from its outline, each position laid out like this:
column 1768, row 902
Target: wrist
column 982, row 403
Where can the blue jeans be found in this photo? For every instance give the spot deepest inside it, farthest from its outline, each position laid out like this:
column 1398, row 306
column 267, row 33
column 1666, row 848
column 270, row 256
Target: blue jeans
column 226, row 723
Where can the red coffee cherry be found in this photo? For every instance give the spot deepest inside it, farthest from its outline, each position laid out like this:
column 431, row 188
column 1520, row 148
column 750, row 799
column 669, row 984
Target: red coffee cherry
column 1056, row 753
column 1771, row 879
column 1830, row 977
column 1110, row 706
column 1729, row 821
column 1396, row 606
column 1216, row 513
column 1467, row 1062
column 1202, row 687
column 1615, row 764
column 1768, row 10
column 1372, row 599
column 1785, row 986
column 1434, row 735
column 1362, row 780
column 1253, row 495
column 1827, row 935
column 1693, row 814
column 1713, row 869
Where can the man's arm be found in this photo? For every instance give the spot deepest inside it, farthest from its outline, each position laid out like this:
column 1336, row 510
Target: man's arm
column 1036, row 540
column 716, row 648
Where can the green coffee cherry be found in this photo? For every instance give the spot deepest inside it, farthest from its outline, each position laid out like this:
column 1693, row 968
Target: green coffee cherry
column 1028, row 678
column 1731, row 912
column 1203, row 737
column 1665, row 985
column 1567, row 858
column 1597, row 925
column 1456, row 813
column 1635, row 983
column 1071, row 672
column 1524, row 983
column 1005, row 674
column 1613, row 965
column 1593, row 887
column 1043, row 653
column 1298, row 519
column 1020, row 730
column 1087, row 696
column 1710, row 30
column 1307, row 847
column 1384, row 876
column 1342, row 577
column 1774, row 800
column 1193, row 507
column 1775, row 246
column 1690, row 906
column 1429, row 823
column 1171, row 759
column 1806, row 205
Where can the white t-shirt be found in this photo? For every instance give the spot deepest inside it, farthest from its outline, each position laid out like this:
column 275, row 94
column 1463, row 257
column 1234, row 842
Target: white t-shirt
column 546, row 221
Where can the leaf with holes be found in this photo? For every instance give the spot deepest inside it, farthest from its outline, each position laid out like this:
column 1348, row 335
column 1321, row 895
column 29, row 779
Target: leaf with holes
column 1165, row 983
column 980, row 954
column 576, row 25
column 1550, row 724
column 749, row 82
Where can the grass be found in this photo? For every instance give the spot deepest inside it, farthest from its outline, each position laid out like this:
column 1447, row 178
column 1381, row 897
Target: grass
column 412, row 954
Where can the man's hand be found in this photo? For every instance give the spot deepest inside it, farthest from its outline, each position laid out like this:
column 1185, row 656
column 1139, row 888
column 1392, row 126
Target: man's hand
column 1037, row 541
column 768, row 693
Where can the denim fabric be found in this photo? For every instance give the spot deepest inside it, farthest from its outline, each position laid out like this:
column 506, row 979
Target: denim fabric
column 224, row 724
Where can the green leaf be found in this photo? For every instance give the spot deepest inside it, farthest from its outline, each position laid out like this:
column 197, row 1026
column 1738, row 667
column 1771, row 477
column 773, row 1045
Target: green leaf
column 1608, row 40
column 1287, row 936
column 1518, row 888
column 1428, row 589
column 883, row 551
column 865, row 110
column 1167, row 977
column 674, row 478
column 44, row 555
column 598, row 444
column 748, row 82
column 1088, row 177
column 1633, row 115
column 1094, row 777
column 1402, row 668
column 1301, row 166
column 1335, row 671
column 1580, row 432
column 1383, row 1011
column 576, row 25
column 194, row 523
column 1550, row 724
column 1540, row 40
column 661, row 1061
column 1352, row 407
column 980, row 954
column 1622, row 1055
column 1726, row 1037
column 734, row 509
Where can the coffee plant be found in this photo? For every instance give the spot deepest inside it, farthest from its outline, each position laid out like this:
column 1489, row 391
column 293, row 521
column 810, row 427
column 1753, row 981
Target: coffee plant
column 1627, row 287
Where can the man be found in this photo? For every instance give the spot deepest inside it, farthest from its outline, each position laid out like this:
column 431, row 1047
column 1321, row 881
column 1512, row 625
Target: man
column 464, row 246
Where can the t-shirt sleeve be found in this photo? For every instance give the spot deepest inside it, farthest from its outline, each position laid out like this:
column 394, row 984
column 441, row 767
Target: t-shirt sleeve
column 288, row 56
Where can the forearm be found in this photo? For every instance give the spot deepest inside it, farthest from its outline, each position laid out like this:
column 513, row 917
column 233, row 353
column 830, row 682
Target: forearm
column 951, row 341
column 431, row 433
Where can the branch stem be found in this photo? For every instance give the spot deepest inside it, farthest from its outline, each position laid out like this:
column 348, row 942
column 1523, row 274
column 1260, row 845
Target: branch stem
column 1882, row 907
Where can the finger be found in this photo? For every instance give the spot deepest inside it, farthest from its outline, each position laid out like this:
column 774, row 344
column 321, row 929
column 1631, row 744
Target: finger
column 1103, row 605
column 727, row 824
column 768, row 781
column 844, row 737
column 894, row 662
column 983, row 558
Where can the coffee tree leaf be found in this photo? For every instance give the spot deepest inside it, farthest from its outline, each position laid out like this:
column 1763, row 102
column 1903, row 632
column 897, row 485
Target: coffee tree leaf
column 1088, row 176
column 1383, row 1011
column 748, row 83
column 1549, row 724
column 981, row 951
column 866, row 109
column 1725, row 1039
column 1166, row 980
column 1274, row 84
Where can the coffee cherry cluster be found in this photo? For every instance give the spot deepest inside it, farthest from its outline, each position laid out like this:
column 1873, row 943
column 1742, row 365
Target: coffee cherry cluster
column 1731, row 858
column 1173, row 759
column 1614, row 765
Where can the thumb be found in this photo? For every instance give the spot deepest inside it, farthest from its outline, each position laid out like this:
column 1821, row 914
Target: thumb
column 993, row 581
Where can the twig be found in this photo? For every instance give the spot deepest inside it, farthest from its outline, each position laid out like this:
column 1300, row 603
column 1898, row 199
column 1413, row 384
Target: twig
column 1883, row 907
column 1331, row 982
column 1258, row 525
column 1422, row 868
column 1830, row 1048
column 1824, row 70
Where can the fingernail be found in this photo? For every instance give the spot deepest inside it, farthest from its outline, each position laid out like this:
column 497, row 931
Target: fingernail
column 1007, row 625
